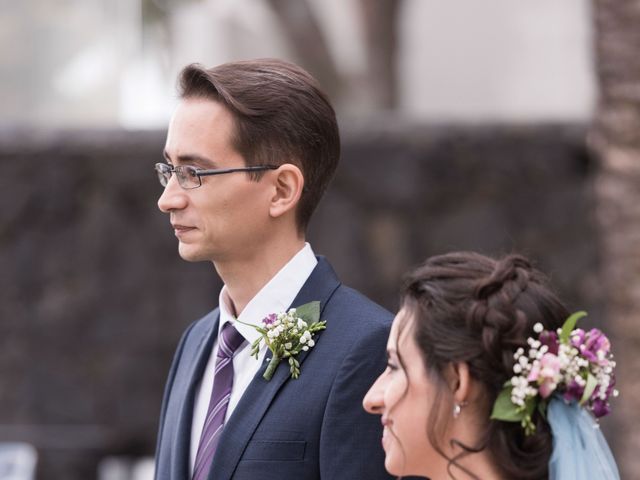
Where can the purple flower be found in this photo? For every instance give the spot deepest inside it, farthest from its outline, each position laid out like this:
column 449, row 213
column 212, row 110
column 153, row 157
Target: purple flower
column 596, row 342
column 269, row 319
column 550, row 339
column 612, row 384
column 600, row 407
column 573, row 392
column 576, row 339
column 608, row 392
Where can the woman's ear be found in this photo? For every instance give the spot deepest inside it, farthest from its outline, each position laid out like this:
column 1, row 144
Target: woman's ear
column 288, row 185
column 460, row 382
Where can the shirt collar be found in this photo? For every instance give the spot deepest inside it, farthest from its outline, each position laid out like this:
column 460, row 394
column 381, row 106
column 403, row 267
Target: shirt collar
column 276, row 296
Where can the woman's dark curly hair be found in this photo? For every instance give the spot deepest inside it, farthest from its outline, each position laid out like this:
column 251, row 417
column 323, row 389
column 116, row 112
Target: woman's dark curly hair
column 466, row 307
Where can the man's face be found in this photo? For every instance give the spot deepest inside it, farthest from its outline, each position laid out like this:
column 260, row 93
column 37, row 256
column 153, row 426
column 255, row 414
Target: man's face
column 226, row 217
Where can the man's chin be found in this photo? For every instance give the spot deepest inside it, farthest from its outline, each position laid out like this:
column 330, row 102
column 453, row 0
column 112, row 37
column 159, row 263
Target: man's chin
column 190, row 254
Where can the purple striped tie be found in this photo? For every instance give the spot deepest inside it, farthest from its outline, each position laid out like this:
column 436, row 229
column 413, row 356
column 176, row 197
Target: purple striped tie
column 228, row 342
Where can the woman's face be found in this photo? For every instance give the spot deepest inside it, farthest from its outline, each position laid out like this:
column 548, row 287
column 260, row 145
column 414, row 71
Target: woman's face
column 404, row 396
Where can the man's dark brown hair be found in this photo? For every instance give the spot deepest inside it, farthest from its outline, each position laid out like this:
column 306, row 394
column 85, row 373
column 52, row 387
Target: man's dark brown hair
column 280, row 116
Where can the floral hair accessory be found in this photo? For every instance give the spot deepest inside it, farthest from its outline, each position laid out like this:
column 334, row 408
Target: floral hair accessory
column 572, row 363
column 287, row 334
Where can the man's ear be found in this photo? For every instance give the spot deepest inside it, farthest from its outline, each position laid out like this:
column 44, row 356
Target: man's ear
column 288, row 184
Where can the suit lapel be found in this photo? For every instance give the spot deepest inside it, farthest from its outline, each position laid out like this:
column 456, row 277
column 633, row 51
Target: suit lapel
column 198, row 363
column 260, row 393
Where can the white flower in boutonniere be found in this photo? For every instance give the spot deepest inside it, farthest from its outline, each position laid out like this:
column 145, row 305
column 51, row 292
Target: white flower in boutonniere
column 287, row 334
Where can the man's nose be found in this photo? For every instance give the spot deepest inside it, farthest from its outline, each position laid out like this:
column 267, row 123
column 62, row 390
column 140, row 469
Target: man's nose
column 173, row 197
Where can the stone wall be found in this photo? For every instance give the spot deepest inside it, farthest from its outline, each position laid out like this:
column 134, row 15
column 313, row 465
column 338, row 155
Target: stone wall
column 93, row 296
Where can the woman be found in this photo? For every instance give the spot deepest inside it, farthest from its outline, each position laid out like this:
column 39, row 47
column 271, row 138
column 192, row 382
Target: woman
column 467, row 326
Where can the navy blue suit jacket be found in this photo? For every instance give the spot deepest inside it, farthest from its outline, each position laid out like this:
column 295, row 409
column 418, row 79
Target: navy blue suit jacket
column 310, row 428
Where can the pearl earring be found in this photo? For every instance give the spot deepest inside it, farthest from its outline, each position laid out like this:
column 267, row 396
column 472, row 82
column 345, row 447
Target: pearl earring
column 457, row 408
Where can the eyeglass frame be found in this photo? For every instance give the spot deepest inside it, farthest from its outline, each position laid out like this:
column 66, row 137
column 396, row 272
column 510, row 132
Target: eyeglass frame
column 205, row 172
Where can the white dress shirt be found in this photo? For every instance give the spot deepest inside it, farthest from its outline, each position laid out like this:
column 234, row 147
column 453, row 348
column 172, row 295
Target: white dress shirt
column 276, row 296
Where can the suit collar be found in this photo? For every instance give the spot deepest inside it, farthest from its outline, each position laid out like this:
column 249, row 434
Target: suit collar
column 198, row 363
column 320, row 286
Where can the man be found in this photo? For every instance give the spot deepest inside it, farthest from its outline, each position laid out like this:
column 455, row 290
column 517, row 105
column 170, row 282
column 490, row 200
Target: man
column 250, row 150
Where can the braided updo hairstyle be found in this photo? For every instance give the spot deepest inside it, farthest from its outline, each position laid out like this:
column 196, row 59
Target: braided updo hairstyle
column 473, row 309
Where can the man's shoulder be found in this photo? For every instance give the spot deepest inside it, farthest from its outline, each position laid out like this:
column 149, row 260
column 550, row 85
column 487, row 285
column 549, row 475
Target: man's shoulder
column 348, row 302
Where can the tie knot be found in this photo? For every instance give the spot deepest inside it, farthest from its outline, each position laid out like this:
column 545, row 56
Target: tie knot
column 230, row 340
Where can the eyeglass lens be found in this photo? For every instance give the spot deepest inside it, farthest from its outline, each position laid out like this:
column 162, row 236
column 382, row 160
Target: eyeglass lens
column 187, row 176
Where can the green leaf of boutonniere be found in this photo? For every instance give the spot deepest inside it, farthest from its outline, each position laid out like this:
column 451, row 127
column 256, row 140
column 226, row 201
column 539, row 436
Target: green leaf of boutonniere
column 309, row 312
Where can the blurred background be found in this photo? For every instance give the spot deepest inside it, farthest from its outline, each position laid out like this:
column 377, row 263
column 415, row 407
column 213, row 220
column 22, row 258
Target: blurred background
column 496, row 126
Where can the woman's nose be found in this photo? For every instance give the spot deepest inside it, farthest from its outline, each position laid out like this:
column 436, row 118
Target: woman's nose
column 373, row 401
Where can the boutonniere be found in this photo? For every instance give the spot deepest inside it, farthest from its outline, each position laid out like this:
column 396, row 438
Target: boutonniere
column 287, row 334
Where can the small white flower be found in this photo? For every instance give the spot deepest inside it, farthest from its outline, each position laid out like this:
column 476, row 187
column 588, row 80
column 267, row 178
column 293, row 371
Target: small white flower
column 538, row 328
column 517, row 368
column 288, row 346
column 305, row 348
column 306, row 337
column 311, row 343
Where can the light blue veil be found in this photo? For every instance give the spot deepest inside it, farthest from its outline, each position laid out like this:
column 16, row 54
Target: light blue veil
column 580, row 451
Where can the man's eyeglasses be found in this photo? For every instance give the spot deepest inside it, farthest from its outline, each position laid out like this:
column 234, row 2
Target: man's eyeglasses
column 189, row 176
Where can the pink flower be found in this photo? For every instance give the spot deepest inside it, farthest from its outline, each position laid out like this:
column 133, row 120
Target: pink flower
column 549, row 374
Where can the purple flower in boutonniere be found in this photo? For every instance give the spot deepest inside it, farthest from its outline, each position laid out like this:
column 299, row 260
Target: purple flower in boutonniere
column 286, row 334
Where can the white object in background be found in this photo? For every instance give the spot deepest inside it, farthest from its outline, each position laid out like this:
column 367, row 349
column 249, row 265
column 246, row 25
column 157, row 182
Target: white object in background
column 143, row 469
column 17, row 461
column 125, row 468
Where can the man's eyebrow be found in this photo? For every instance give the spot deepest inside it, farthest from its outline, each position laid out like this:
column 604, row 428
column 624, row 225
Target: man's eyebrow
column 190, row 158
